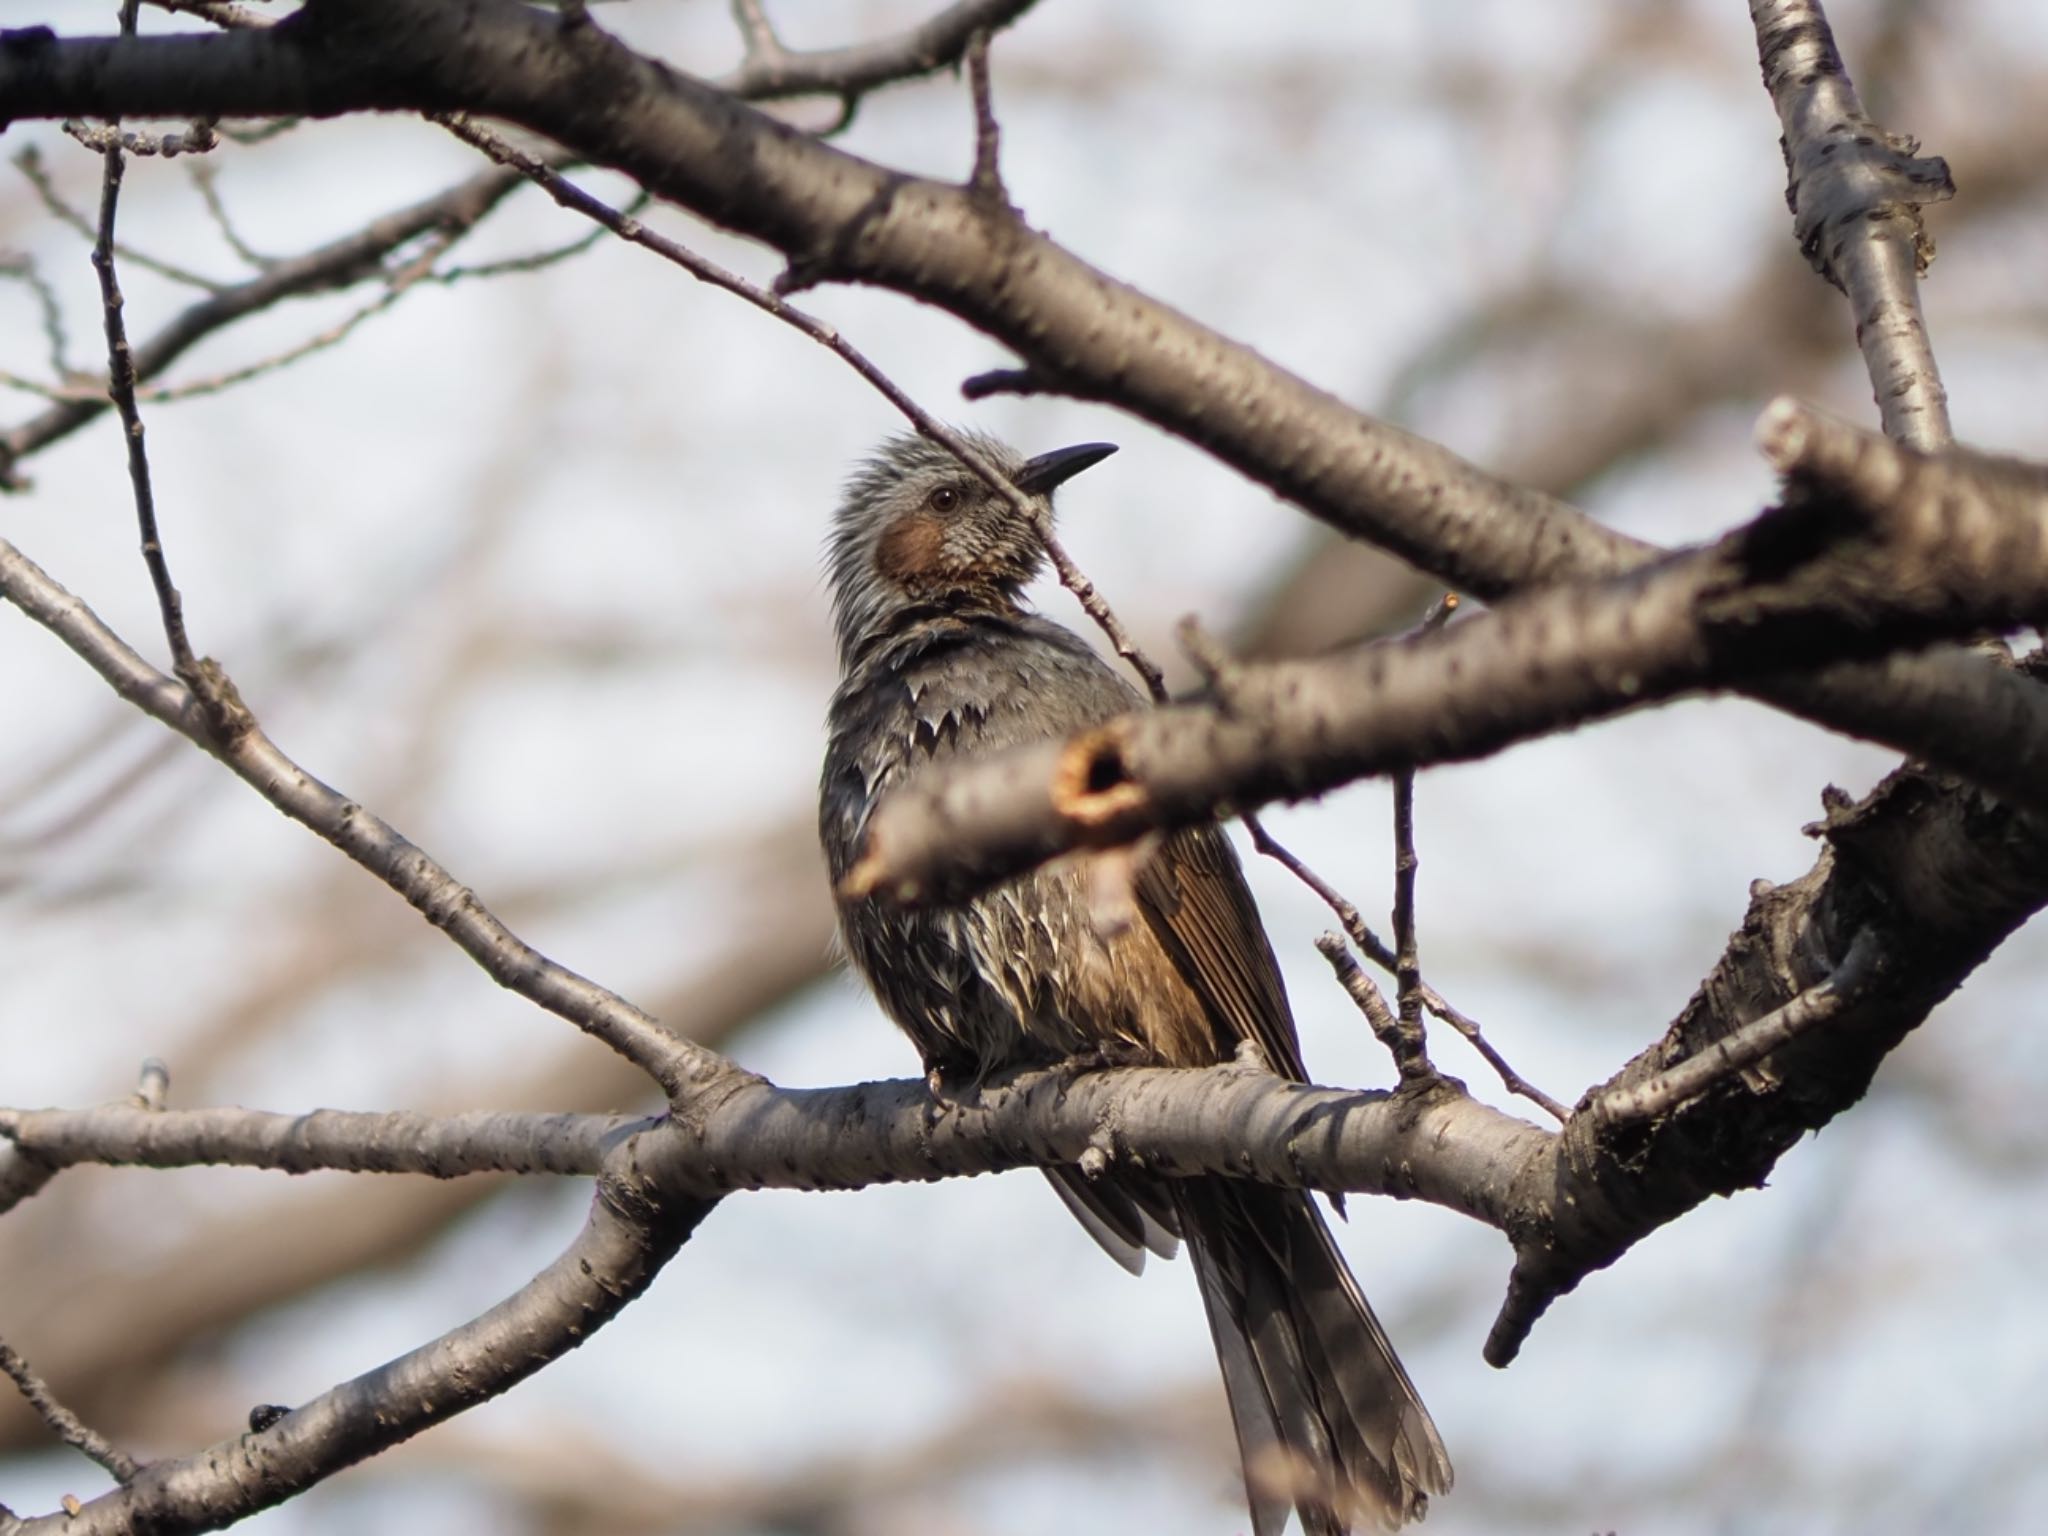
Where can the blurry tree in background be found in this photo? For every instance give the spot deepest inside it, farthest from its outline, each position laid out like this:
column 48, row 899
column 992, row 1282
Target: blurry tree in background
column 502, row 524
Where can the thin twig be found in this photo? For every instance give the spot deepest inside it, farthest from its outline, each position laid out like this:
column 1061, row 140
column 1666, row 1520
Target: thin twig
column 536, row 261
column 210, row 715
column 206, row 177
column 1376, row 950
column 66, row 1425
column 574, row 198
column 1407, row 962
column 121, row 387
column 30, row 163
column 1219, row 670
column 1749, row 1044
column 397, row 286
column 1407, row 959
column 986, row 180
column 23, row 269
column 1402, row 1043
column 337, row 265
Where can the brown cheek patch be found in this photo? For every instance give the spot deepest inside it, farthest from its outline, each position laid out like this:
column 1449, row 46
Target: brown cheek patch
column 909, row 551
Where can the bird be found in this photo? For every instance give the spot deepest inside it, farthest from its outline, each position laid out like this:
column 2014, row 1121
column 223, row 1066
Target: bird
column 942, row 661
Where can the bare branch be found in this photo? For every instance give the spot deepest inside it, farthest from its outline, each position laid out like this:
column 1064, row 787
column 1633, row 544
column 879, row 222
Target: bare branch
column 339, row 264
column 1924, row 547
column 841, row 218
column 1856, row 193
column 680, row 1066
column 395, row 1141
column 66, row 1425
column 1749, row 1044
column 632, row 1232
column 1435, row 1144
column 121, row 388
column 1404, row 1045
column 771, row 71
column 986, row 179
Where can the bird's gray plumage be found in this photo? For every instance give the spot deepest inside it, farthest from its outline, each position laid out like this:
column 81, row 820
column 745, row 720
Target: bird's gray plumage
column 940, row 661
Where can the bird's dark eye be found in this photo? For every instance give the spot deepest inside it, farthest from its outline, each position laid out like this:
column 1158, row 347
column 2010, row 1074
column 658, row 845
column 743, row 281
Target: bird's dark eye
column 944, row 499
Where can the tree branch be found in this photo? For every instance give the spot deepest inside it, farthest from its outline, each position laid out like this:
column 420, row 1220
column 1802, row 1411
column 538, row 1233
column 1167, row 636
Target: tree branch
column 1432, row 1143
column 338, row 264
column 632, row 1232
column 1856, row 193
column 840, row 218
column 395, row 1141
column 679, row 1065
column 64, row 1424
column 771, row 71
column 1873, row 547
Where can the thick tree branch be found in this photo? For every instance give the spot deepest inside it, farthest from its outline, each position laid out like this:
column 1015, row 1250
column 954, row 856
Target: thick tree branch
column 840, row 218
column 1856, row 194
column 202, row 1285
column 1873, row 548
column 1431, row 1143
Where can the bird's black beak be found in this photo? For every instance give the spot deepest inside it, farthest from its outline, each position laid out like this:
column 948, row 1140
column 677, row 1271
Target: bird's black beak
column 1039, row 476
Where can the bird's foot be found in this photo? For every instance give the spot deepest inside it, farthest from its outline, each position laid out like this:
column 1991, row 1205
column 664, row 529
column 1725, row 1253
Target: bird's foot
column 1103, row 1057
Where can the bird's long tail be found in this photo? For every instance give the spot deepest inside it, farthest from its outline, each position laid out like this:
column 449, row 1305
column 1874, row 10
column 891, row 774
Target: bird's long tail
column 1327, row 1420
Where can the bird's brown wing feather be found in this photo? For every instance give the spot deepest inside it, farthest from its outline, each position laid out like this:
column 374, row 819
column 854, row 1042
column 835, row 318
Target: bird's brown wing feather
column 1197, row 905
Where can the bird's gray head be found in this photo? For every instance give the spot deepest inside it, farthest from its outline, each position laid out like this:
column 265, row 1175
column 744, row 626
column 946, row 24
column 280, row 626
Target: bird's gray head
column 916, row 528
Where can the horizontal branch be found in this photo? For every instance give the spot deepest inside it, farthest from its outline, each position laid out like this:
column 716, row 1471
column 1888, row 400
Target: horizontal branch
column 771, row 71
column 1569, row 1202
column 1444, row 1148
column 1873, row 548
column 396, row 1141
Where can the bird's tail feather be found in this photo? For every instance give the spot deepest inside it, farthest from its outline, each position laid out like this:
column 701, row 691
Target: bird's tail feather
column 1327, row 1420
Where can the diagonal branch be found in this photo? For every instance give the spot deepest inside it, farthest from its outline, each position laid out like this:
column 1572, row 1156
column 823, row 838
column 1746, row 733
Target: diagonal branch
column 680, row 1066
column 1749, row 1044
column 64, row 1424
column 631, row 1233
column 1873, row 548
column 339, row 264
